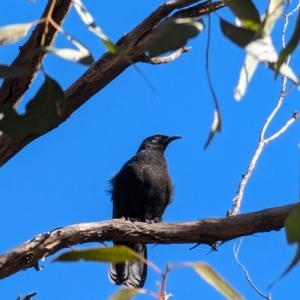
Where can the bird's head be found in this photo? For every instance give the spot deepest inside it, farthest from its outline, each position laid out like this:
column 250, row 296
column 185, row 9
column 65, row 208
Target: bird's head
column 157, row 142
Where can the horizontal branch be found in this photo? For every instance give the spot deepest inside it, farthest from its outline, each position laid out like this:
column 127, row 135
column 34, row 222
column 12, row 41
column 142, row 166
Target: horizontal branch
column 205, row 231
column 106, row 69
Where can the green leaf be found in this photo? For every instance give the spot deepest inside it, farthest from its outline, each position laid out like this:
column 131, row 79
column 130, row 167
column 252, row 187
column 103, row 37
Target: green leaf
column 14, row 72
column 113, row 49
column 292, row 232
column 82, row 55
column 289, row 268
column 240, row 36
column 246, row 12
column 216, row 281
column 89, row 21
column 124, row 294
column 43, row 112
column 292, row 226
column 12, row 124
column 293, row 262
column 116, row 254
column 172, row 34
column 12, row 33
column 291, row 45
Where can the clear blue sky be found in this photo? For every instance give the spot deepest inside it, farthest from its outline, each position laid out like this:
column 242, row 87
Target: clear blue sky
column 60, row 179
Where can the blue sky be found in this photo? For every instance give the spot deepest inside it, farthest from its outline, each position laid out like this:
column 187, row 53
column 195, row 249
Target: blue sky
column 60, row 179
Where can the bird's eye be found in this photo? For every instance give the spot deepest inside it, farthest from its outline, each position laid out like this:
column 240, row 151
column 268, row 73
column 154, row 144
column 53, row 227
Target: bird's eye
column 158, row 137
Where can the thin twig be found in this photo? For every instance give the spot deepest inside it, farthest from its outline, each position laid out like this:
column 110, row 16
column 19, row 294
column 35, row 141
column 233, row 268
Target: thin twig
column 217, row 122
column 293, row 118
column 236, row 252
column 261, row 144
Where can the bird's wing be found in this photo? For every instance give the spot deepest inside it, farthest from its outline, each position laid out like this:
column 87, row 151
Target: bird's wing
column 127, row 191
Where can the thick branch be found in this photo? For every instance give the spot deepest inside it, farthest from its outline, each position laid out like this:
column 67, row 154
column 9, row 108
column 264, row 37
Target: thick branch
column 106, row 69
column 12, row 90
column 206, row 231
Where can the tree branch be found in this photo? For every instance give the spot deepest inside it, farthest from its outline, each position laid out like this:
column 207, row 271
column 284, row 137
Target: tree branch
column 166, row 59
column 12, row 90
column 102, row 72
column 205, row 231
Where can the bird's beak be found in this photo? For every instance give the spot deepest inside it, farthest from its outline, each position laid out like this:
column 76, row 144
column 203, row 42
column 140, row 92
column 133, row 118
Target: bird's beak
column 171, row 139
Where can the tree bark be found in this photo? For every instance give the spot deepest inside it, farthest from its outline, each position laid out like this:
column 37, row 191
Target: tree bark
column 209, row 231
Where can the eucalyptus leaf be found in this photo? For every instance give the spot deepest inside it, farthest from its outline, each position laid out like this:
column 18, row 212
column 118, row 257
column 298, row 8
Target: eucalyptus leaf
column 125, row 294
column 246, row 12
column 216, row 281
column 116, row 254
column 239, row 35
column 12, row 33
column 43, row 113
column 14, row 71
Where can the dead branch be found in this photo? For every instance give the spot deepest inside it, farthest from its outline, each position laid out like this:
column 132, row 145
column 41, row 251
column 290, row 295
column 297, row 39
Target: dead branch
column 205, row 231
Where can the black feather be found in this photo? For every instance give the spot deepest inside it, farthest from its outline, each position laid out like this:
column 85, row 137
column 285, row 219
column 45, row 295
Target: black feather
column 141, row 191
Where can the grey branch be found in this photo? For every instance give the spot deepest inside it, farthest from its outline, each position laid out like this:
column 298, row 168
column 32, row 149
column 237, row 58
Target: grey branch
column 166, row 59
column 102, row 72
column 206, row 231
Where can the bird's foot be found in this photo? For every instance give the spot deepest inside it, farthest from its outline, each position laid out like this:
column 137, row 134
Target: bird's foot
column 151, row 221
column 133, row 220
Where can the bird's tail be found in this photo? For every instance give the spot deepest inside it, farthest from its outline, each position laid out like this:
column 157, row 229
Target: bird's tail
column 132, row 273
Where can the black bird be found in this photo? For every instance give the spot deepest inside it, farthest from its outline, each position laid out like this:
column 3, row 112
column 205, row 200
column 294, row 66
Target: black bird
column 141, row 191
